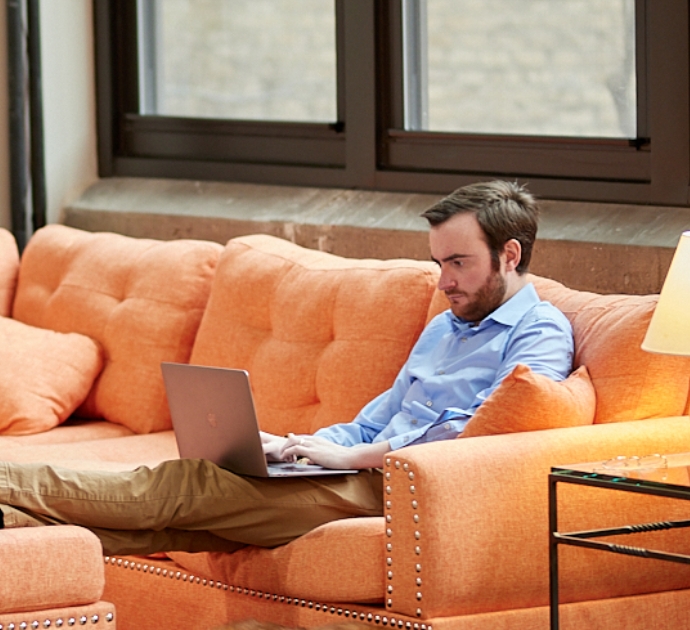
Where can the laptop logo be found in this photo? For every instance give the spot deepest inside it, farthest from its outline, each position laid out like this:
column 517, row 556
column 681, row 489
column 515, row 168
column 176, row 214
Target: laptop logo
column 211, row 419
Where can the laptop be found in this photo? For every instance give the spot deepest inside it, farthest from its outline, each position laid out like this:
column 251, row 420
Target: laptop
column 213, row 416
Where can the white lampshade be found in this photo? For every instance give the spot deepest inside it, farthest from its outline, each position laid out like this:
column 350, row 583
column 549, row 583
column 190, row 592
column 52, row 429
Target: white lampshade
column 669, row 330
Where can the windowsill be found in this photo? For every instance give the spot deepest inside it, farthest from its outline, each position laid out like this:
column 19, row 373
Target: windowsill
column 599, row 247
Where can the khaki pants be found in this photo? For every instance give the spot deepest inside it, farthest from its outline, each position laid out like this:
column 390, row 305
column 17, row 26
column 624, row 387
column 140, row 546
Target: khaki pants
column 183, row 505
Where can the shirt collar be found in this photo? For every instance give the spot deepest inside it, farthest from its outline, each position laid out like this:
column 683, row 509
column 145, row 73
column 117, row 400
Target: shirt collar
column 509, row 313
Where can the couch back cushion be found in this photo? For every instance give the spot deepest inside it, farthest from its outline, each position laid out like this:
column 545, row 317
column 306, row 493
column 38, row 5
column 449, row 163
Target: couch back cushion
column 9, row 268
column 142, row 300
column 630, row 384
column 319, row 334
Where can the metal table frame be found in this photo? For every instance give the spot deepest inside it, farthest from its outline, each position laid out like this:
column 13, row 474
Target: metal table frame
column 584, row 538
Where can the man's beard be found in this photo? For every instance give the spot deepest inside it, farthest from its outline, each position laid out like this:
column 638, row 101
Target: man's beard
column 483, row 301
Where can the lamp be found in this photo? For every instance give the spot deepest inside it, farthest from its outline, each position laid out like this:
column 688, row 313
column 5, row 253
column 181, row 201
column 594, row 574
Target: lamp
column 669, row 329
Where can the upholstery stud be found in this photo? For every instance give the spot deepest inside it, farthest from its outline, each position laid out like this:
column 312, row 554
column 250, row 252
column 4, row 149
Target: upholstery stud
column 413, row 489
column 418, row 568
column 415, row 504
column 109, row 617
column 389, row 518
column 389, row 532
column 390, row 575
column 389, row 547
column 389, row 561
column 415, row 518
column 410, row 476
column 388, row 489
column 406, row 467
column 418, row 550
column 397, row 464
column 417, row 535
column 389, row 505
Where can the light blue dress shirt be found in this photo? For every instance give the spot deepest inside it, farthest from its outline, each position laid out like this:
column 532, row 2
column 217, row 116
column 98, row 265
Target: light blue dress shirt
column 454, row 367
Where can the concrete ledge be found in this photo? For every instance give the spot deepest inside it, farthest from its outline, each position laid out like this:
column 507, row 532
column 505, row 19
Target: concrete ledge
column 605, row 248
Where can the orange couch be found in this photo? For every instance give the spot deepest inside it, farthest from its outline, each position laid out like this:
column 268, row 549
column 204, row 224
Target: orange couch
column 463, row 542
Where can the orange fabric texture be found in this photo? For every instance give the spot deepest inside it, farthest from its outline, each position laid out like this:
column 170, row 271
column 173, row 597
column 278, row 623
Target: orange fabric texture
column 9, row 267
column 526, row 401
column 306, row 566
column 44, row 376
column 142, row 300
column 49, row 567
column 630, row 383
column 320, row 335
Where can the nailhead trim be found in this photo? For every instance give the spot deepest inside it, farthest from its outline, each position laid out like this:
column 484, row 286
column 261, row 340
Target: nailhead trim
column 58, row 623
column 391, row 622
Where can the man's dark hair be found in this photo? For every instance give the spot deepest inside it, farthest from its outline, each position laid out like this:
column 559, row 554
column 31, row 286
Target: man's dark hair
column 504, row 210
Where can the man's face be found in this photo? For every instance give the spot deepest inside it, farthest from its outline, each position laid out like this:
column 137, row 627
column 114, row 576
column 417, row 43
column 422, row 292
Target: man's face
column 473, row 287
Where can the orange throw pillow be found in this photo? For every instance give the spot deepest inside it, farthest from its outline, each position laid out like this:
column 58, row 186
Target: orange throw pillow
column 9, row 268
column 44, row 376
column 526, row 401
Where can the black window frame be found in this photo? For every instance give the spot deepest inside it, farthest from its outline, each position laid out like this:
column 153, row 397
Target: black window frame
column 367, row 147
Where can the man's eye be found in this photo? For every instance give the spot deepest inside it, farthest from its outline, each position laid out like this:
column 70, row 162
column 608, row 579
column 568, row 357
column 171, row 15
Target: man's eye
column 459, row 263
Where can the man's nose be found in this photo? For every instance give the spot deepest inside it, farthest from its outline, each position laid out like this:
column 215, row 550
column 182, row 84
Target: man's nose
column 445, row 282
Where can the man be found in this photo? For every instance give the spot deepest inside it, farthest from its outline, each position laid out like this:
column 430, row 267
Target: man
column 481, row 237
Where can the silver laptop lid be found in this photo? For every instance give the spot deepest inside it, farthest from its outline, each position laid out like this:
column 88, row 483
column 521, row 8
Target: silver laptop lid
column 213, row 416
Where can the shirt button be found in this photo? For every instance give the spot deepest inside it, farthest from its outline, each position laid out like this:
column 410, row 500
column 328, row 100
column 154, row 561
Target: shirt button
column 463, row 339
column 429, row 403
column 446, row 426
column 440, row 372
column 413, row 421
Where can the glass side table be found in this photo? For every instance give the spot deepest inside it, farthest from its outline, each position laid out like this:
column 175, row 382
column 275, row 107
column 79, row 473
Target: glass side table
column 658, row 475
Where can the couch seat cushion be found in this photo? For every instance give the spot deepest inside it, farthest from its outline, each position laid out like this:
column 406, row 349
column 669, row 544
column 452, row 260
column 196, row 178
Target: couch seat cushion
column 630, row 384
column 44, row 376
column 342, row 561
column 320, row 335
column 526, row 401
column 114, row 453
column 141, row 299
column 9, row 268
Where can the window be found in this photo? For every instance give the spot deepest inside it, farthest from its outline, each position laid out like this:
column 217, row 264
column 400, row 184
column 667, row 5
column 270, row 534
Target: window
column 243, row 59
column 582, row 99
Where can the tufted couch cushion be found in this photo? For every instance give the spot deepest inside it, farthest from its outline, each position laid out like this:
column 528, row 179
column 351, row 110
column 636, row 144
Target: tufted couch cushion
column 630, row 384
column 320, row 335
column 142, row 300
column 9, row 267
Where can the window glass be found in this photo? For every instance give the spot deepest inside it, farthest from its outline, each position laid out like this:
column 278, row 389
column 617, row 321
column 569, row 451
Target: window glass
column 533, row 67
column 239, row 59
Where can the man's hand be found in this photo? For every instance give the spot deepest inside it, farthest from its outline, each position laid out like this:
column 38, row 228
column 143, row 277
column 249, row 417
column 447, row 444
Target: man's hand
column 330, row 455
column 272, row 445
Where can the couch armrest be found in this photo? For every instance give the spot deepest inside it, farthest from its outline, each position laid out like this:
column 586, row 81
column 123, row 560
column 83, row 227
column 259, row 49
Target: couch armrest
column 49, row 567
column 467, row 520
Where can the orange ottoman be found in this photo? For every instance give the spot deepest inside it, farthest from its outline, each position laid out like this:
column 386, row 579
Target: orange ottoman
column 52, row 577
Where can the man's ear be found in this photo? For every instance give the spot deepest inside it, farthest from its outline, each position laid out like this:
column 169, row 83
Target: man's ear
column 512, row 250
